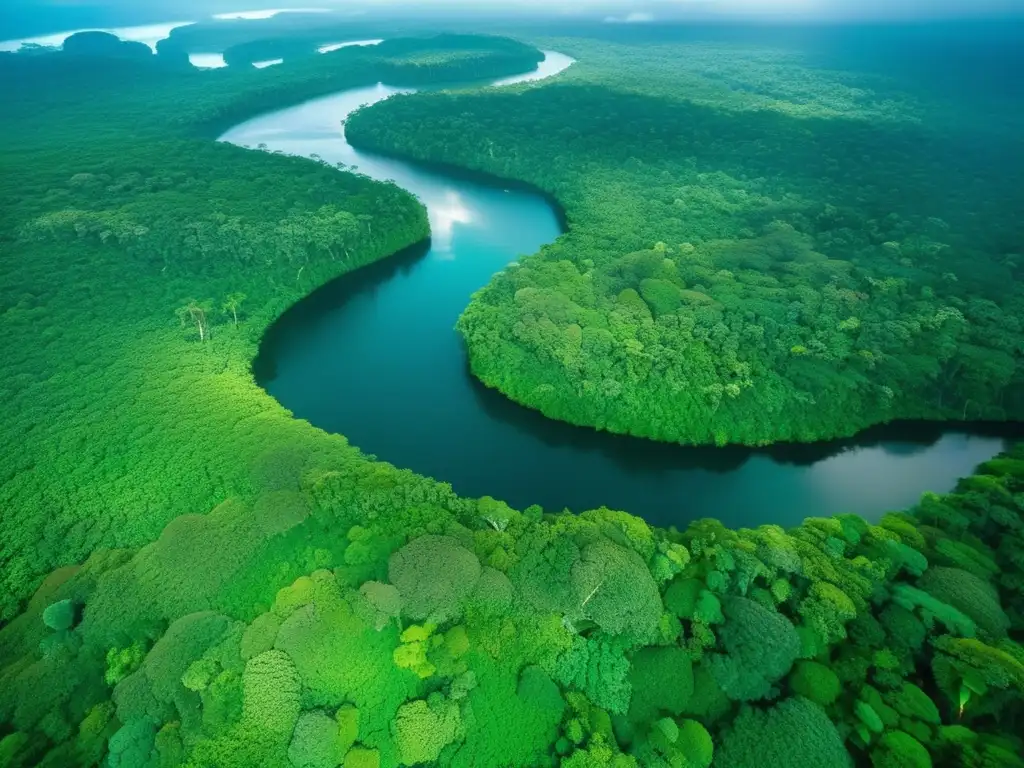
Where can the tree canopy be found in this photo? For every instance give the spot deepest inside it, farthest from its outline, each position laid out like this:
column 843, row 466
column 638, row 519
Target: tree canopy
column 192, row 577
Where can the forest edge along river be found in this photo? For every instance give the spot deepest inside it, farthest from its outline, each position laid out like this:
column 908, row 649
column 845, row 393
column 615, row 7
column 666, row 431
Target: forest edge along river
column 373, row 355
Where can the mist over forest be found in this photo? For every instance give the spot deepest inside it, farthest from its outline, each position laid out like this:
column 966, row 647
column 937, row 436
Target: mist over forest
column 39, row 16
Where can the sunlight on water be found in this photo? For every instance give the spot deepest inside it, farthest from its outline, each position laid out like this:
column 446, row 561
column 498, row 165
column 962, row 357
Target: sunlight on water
column 337, row 46
column 207, row 60
column 444, row 215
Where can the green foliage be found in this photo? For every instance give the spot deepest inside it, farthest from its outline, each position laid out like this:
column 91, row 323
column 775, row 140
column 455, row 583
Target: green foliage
column 121, row 662
column 59, row 616
column 270, row 694
column 412, row 653
column 966, row 668
column 347, row 718
column 933, row 611
column 12, row 749
column 899, row 750
column 708, row 702
column 732, row 260
column 905, row 633
column 598, row 668
column 316, row 742
column 695, row 744
column 133, row 743
column 497, row 514
column 662, row 683
column 212, row 691
column 598, row 755
column 968, row 594
column 358, row 757
column 423, row 728
column 962, row 746
column 342, row 658
column 815, row 682
column 165, row 426
column 685, row 744
column 260, row 635
column 827, row 609
column 510, row 718
column 617, row 591
column 868, row 716
column 682, row 595
column 434, row 575
column 760, row 647
column 791, row 734
column 661, row 296
column 910, row 701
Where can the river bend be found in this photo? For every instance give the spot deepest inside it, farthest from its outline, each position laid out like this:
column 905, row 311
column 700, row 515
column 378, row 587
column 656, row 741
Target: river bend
column 374, row 356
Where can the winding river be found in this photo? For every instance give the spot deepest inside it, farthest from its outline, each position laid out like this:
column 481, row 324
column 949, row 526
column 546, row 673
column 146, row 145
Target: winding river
column 373, row 355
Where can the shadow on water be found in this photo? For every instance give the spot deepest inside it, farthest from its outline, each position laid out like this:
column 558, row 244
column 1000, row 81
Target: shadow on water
column 633, row 454
column 365, row 280
column 899, row 438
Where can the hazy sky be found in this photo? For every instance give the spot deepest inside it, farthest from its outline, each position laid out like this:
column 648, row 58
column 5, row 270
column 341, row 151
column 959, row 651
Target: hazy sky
column 623, row 10
column 641, row 10
column 846, row 8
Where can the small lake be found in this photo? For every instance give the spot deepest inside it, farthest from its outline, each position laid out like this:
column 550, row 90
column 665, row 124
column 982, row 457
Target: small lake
column 374, row 356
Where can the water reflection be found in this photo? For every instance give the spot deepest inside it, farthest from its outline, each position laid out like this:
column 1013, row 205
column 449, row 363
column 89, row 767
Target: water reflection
column 445, row 213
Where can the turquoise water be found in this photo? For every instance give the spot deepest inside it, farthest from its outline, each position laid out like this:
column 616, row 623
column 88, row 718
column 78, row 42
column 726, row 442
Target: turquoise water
column 374, row 356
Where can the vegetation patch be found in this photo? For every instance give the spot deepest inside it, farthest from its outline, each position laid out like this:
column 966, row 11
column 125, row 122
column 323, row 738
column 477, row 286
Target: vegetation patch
column 759, row 250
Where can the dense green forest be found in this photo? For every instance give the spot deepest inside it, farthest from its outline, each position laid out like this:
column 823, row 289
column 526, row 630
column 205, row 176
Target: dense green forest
column 125, row 234
column 189, row 576
column 759, row 249
column 365, row 617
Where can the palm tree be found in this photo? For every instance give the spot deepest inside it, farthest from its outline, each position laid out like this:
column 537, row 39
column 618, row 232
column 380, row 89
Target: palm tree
column 196, row 312
column 231, row 305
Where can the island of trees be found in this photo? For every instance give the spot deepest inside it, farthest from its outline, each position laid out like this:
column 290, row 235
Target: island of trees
column 189, row 576
column 766, row 254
